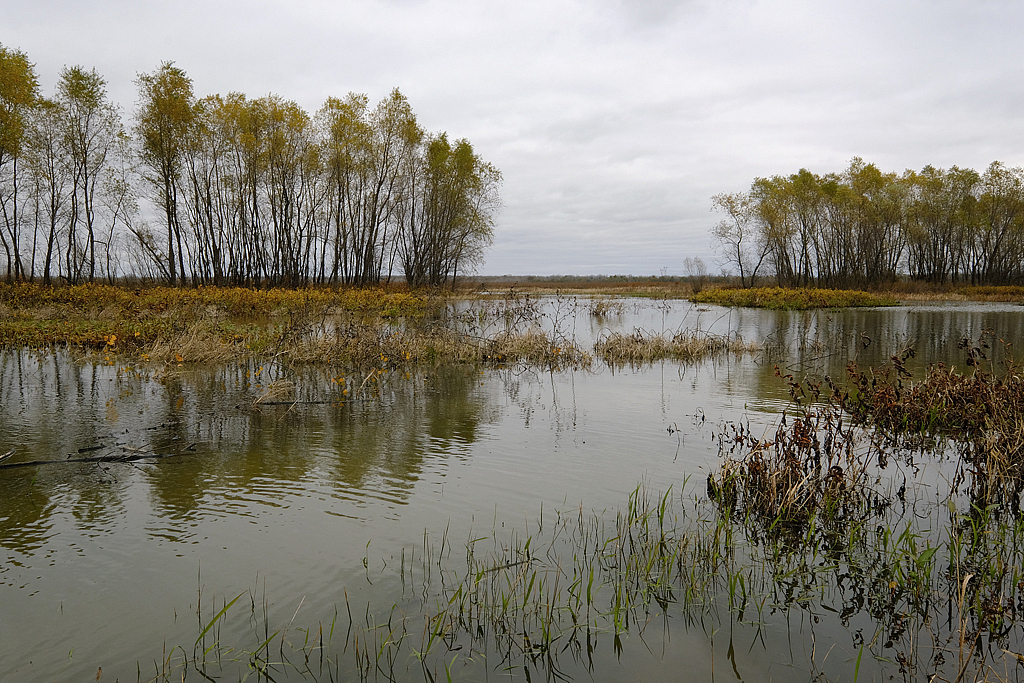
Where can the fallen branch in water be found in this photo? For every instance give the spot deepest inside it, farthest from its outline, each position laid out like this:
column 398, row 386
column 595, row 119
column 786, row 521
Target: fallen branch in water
column 120, row 457
column 332, row 402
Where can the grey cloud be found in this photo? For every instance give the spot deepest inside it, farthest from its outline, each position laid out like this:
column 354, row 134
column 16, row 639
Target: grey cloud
column 613, row 121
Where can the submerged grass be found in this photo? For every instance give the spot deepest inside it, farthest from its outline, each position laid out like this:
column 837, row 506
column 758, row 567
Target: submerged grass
column 547, row 598
column 644, row 347
column 340, row 327
column 980, row 412
column 819, row 525
column 791, row 298
column 928, row 581
column 933, row 597
column 812, row 467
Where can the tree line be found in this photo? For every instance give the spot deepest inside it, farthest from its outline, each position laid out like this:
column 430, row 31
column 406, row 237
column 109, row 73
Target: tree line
column 863, row 227
column 229, row 189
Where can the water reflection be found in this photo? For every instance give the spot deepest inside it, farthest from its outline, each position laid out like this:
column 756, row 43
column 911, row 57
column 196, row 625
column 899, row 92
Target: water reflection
column 370, row 445
column 824, row 341
column 25, row 517
column 292, row 472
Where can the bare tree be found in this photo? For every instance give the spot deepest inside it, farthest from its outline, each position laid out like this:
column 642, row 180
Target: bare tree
column 91, row 136
column 737, row 236
column 18, row 92
column 162, row 123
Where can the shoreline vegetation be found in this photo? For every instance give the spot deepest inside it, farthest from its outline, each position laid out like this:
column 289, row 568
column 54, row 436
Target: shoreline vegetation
column 792, row 299
column 818, row 518
column 693, row 288
column 380, row 327
column 831, row 514
column 391, row 326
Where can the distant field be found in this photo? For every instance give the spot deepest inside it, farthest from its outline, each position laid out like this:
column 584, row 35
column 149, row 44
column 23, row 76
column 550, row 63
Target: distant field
column 684, row 288
column 614, row 285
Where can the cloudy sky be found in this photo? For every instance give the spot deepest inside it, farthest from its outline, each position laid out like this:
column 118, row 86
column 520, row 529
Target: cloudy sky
column 612, row 121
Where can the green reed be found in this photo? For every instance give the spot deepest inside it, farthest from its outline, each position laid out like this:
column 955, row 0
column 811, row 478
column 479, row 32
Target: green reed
column 932, row 594
column 818, row 517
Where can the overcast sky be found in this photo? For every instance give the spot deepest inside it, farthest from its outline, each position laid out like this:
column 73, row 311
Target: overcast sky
column 613, row 122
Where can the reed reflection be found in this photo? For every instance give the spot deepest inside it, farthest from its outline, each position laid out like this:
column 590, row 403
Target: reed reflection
column 254, row 449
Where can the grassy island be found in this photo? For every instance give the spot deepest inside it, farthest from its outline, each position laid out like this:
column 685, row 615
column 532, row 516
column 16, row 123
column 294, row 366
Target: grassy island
column 792, row 299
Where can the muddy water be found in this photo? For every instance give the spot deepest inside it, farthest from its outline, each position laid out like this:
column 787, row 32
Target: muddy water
column 305, row 490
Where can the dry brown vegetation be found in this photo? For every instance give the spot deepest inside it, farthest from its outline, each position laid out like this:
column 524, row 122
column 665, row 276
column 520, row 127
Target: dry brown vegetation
column 205, row 324
column 801, row 298
column 644, row 347
column 810, row 466
column 639, row 287
column 907, row 290
column 982, row 411
column 378, row 327
column 1003, row 294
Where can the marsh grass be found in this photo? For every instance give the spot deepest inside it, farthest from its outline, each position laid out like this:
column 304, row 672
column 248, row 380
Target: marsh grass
column 88, row 316
column 830, row 511
column 110, row 301
column 643, row 346
column 544, row 598
column 911, row 291
column 174, row 327
column 1008, row 293
column 792, row 298
column 614, row 287
column 605, row 307
column 813, row 467
column 935, row 596
column 932, row 578
column 980, row 414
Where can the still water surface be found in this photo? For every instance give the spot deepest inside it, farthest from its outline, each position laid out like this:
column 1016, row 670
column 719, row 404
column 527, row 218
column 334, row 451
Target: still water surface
column 309, row 506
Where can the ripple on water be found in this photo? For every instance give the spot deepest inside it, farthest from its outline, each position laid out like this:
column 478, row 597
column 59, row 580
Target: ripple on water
column 302, row 498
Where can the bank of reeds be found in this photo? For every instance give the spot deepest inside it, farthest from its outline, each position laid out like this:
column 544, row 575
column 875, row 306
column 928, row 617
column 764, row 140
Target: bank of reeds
column 811, row 466
column 88, row 316
column 932, row 597
column 617, row 287
column 234, row 301
column 980, row 413
column 1008, row 293
column 791, row 298
column 829, row 514
column 643, row 346
column 361, row 344
column 605, row 307
column 915, row 291
column 173, row 326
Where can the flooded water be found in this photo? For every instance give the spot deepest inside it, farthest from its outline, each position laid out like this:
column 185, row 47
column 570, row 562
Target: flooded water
column 323, row 498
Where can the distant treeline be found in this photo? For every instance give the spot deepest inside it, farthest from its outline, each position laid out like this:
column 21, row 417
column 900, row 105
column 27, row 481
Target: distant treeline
column 576, row 278
column 863, row 227
column 245, row 191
